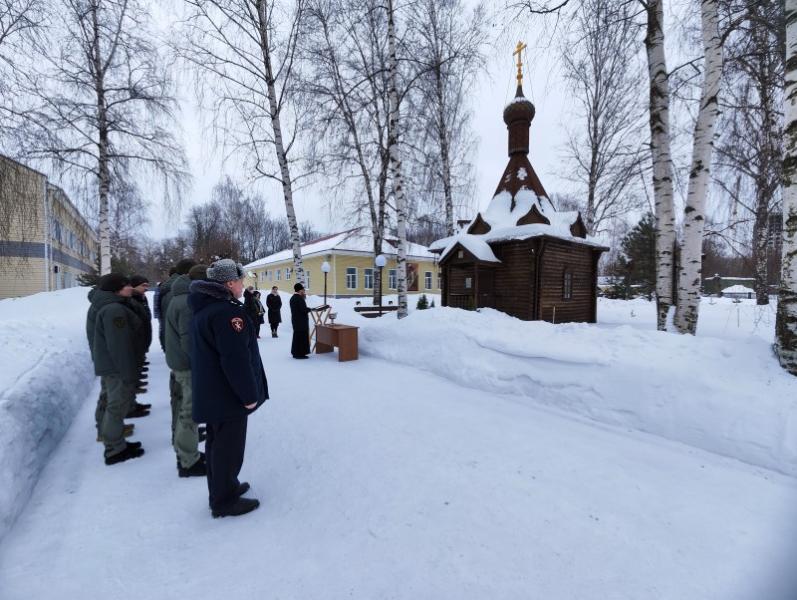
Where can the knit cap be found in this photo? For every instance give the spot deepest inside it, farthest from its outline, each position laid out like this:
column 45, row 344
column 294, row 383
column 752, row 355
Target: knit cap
column 112, row 282
column 198, row 272
column 137, row 280
column 225, row 270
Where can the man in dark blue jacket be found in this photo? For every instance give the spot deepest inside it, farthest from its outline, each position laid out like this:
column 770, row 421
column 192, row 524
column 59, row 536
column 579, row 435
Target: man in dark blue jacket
column 228, row 381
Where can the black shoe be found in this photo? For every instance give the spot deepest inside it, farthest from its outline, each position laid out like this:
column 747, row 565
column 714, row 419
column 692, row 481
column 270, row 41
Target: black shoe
column 301, row 357
column 239, row 507
column 198, row 469
column 243, row 487
column 273, row 334
column 142, row 406
column 130, row 451
column 137, row 412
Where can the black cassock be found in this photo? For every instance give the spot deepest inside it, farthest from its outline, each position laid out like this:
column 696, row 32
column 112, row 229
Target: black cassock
column 301, row 326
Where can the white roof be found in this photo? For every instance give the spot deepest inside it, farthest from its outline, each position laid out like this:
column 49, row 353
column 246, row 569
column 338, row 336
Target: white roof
column 474, row 244
column 737, row 289
column 353, row 240
column 502, row 219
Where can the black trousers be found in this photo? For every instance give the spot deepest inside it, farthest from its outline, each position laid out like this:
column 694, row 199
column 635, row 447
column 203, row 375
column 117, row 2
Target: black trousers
column 224, row 455
column 300, row 345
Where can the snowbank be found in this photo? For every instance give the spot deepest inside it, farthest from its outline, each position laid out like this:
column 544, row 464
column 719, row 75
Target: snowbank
column 721, row 391
column 45, row 375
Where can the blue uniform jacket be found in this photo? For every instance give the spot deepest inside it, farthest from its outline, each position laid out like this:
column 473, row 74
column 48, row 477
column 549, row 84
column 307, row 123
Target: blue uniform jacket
column 226, row 370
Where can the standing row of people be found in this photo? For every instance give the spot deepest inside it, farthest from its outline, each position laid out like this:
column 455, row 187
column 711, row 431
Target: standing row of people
column 217, row 376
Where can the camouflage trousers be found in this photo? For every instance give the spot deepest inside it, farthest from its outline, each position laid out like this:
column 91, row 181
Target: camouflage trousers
column 185, row 437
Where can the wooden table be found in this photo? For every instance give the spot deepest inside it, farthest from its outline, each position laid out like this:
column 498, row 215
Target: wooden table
column 342, row 336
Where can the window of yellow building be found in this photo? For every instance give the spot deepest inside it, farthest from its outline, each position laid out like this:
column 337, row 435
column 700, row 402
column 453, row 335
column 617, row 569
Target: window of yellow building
column 391, row 279
column 427, row 280
column 369, row 279
column 351, row 278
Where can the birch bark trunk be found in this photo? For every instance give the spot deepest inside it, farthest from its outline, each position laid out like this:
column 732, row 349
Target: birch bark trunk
column 279, row 144
column 395, row 162
column 690, row 273
column 786, row 320
column 103, row 170
column 445, row 155
column 662, row 160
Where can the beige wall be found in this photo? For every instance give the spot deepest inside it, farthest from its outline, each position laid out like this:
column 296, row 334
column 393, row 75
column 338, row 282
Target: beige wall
column 337, row 281
column 23, row 268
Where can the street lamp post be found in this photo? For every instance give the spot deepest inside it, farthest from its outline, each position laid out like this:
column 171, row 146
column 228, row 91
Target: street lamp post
column 380, row 262
column 325, row 268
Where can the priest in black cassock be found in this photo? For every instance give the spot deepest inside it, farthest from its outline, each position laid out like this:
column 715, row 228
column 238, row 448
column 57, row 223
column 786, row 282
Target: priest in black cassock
column 300, row 347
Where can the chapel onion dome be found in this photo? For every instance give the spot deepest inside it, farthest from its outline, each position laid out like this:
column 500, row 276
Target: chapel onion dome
column 519, row 109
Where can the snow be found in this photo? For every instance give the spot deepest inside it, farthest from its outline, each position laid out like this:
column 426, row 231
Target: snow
column 390, row 479
column 503, row 217
column 474, row 244
column 731, row 399
column 737, row 289
column 353, row 240
column 45, row 376
column 522, row 174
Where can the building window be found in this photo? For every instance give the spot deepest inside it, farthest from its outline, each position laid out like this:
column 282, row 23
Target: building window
column 307, row 281
column 439, row 280
column 288, row 273
column 369, row 279
column 351, row 278
column 427, row 280
column 468, row 283
column 567, row 292
column 279, row 273
column 391, row 279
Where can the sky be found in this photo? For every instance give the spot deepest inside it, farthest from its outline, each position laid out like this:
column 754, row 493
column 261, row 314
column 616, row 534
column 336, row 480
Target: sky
column 543, row 84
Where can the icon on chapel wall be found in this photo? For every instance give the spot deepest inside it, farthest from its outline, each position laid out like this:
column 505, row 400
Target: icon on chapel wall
column 412, row 277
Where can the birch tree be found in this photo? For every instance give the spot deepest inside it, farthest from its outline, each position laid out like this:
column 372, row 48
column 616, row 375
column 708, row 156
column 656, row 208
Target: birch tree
column 244, row 52
column 786, row 320
column 394, row 150
column 750, row 151
column 690, row 272
column 347, row 78
column 662, row 158
column 447, row 52
column 102, row 103
column 605, row 145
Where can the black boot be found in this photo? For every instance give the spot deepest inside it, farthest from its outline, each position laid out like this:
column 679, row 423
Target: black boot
column 198, row 469
column 136, row 411
column 243, row 487
column 132, row 450
column 239, row 507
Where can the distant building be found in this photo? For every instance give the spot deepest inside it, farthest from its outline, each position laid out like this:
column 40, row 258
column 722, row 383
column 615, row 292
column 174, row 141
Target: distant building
column 717, row 284
column 48, row 243
column 738, row 291
column 352, row 272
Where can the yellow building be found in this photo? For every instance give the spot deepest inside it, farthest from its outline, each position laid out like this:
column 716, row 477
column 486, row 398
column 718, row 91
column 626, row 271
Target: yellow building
column 46, row 244
column 352, row 271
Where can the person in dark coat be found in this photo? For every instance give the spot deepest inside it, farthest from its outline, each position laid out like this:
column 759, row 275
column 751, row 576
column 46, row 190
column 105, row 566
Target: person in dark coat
column 274, row 306
column 227, row 379
column 250, row 305
column 144, row 337
column 111, row 325
column 260, row 312
column 300, row 347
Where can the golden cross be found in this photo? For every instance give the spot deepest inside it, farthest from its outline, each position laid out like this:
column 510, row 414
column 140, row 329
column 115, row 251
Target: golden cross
column 520, row 48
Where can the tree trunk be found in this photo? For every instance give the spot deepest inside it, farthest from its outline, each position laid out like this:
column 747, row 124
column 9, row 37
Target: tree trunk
column 279, row 144
column 691, row 263
column 395, row 163
column 760, row 271
column 786, row 321
column 662, row 160
column 103, row 170
column 445, row 154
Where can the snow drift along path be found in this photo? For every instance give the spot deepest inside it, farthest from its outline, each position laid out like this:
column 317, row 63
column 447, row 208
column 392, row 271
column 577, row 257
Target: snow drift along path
column 45, row 375
column 722, row 391
column 382, row 481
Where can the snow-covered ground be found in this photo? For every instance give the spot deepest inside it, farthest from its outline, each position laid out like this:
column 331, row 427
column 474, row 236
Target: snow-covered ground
column 391, row 479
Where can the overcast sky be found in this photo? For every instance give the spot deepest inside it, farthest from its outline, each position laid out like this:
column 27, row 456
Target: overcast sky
column 543, row 84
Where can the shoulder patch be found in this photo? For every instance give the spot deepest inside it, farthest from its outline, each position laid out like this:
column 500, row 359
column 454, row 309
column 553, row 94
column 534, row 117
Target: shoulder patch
column 237, row 323
column 119, row 322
